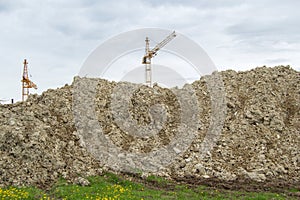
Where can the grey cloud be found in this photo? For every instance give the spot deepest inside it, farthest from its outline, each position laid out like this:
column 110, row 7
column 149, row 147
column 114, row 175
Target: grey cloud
column 203, row 4
column 3, row 7
column 262, row 26
column 277, row 60
column 6, row 6
column 275, row 29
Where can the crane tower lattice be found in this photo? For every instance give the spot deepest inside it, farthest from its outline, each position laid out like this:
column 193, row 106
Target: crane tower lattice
column 26, row 83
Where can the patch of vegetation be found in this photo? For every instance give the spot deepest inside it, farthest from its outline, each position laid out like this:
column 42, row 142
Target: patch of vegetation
column 112, row 187
column 294, row 190
column 160, row 181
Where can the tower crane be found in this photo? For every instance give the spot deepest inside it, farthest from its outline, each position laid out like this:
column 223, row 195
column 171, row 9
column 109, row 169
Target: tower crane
column 151, row 53
column 26, row 83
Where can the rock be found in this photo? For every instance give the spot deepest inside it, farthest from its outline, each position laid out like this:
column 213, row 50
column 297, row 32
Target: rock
column 198, row 168
column 206, row 176
column 82, row 181
column 256, row 176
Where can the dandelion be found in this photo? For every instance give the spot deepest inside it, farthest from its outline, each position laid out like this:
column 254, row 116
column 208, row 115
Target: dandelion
column 13, row 193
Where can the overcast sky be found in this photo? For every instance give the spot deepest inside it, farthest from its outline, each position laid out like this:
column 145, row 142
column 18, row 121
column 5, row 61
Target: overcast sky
column 56, row 36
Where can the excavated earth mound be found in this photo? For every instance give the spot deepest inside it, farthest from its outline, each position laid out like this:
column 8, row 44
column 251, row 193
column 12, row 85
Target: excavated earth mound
column 43, row 139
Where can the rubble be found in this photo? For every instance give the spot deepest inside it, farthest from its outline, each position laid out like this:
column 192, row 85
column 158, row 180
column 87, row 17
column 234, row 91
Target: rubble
column 41, row 139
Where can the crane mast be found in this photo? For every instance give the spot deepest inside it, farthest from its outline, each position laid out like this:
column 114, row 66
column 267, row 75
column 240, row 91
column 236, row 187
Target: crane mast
column 26, row 83
column 149, row 54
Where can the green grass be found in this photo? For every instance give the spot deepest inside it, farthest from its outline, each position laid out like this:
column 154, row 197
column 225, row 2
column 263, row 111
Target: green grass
column 110, row 186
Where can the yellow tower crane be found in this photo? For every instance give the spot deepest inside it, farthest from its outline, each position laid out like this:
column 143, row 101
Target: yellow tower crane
column 26, row 83
column 151, row 53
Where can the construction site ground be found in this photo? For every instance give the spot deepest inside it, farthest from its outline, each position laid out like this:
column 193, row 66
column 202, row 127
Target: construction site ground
column 258, row 148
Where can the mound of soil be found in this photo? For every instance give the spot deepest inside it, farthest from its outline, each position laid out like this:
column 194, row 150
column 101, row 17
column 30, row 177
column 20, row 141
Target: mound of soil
column 244, row 128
